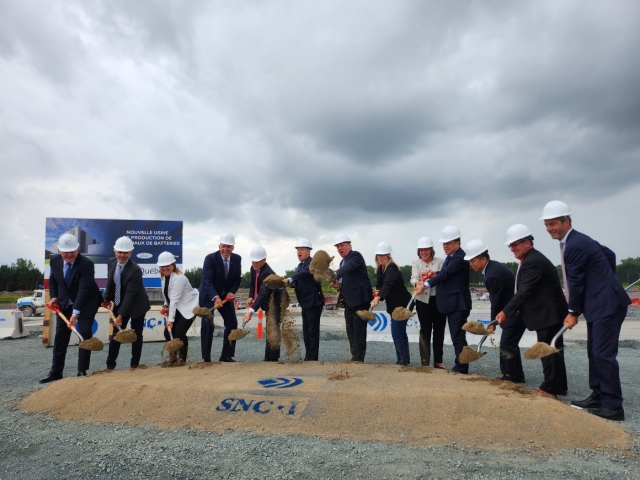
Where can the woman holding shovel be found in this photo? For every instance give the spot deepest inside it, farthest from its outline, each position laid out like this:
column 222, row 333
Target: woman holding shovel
column 390, row 288
column 431, row 320
column 180, row 298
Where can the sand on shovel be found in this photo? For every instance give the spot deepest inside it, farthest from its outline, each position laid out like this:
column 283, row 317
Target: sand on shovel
column 92, row 344
column 539, row 350
column 203, row 312
column 238, row 333
column 173, row 345
column 126, row 336
column 476, row 328
column 366, row 315
column 274, row 282
column 319, row 266
column 468, row 355
column 401, row 314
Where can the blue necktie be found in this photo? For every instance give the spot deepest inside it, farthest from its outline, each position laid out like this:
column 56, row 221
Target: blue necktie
column 299, row 267
column 226, row 268
column 446, row 260
column 67, row 273
column 118, row 282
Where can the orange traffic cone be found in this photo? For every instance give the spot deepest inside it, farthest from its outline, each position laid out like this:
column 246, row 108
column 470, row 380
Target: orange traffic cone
column 259, row 330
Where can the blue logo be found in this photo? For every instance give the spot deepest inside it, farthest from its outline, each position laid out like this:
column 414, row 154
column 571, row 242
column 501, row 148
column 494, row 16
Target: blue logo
column 262, row 407
column 380, row 323
column 152, row 322
column 280, row 382
column 94, row 327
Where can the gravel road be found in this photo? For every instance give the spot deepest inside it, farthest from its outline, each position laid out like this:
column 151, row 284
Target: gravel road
column 34, row 446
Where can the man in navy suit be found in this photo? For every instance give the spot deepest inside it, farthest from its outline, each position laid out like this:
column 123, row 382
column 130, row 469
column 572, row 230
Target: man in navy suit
column 311, row 299
column 221, row 275
column 454, row 296
column 74, row 291
column 592, row 289
column 500, row 284
column 355, row 286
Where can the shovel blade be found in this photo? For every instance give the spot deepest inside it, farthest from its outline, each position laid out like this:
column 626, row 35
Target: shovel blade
column 237, row 334
column 469, row 355
column 93, row 344
column 401, row 314
column 366, row 315
column 539, row 350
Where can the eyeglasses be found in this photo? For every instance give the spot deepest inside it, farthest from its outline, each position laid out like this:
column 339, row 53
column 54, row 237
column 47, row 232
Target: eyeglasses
column 515, row 244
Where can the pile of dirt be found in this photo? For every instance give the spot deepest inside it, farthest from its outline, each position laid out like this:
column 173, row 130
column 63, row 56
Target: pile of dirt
column 299, row 399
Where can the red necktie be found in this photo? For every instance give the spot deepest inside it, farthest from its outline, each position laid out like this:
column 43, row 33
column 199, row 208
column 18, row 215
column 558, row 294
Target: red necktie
column 255, row 295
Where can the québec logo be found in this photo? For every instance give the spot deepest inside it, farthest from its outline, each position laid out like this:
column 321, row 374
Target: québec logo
column 144, row 255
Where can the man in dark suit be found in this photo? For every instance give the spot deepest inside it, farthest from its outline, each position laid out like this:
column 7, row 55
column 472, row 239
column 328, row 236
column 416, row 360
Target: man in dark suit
column 355, row 287
column 221, row 275
column 454, row 297
column 74, row 291
column 592, row 289
column 541, row 304
column 311, row 299
column 131, row 302
column 500, row 284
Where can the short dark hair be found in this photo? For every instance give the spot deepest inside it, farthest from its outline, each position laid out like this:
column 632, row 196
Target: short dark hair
column 484, row 254
column 530, row 238
column 566, row 217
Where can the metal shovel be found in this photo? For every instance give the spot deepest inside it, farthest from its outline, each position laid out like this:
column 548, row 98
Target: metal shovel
column 92, row 344
column 123, row 336
column 541, row 349
column 238, row 333
column 469, row 355
column 401, row 313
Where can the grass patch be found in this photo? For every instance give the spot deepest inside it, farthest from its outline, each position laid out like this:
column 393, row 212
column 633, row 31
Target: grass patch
column 9, row 299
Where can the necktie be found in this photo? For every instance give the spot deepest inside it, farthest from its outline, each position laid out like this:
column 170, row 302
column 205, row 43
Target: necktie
column 255, row 294
column 299, row 267
column 446, row 260
column 565, row 283
column 515, row 285
column 67, row 273
column 226, row 268
column 117, row 280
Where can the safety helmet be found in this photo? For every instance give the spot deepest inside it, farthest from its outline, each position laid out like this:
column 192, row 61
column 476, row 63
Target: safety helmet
column 473, row 248
column 68, row 243
column 227, row 239
column 517, row 232
column 304, row 242
column 383, row 248
column 425, row 242
column 166, row 258
column 450, row 233
column 555, row 209
column 257, row 253
column 123, row 244
column 341, row 238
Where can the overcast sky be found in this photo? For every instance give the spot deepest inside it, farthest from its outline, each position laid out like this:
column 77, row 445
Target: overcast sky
column 384, row 120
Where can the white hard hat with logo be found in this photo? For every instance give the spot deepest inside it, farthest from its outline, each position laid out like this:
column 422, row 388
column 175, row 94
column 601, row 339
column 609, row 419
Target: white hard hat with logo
column 166, row 258
column 123, row 244
column 473, row 248
column 517, row 232
column 450, row 233
column 257, row 253
column 383, row 248
column 425, row 242
column 68, row 243
column 227, row 239
column 341, row 238
column 304, row 242
column 555, row 209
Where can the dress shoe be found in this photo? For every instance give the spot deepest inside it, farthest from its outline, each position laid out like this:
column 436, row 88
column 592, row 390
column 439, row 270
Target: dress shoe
column 51, row 377
column 588, row 402
column 81, row 373
column 508, row 378
column 113, row 368
column 617, row 415
column 227, row 359
column 545, row 394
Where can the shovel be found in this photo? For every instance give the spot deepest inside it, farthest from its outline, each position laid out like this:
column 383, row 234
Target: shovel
column 477, row 328
column 238, row 333
column 367, row 315
column 123, row 336
column 174, row 344
column 92, row 344
column 274, row 282
column 468, row 354
column 541, row 349
column 319, row 266
column 401, row 313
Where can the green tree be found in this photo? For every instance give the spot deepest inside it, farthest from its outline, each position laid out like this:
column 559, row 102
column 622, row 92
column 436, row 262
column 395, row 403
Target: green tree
column 21, row 275
column 406, row 274
column 194, row 275
column 628, row 271
column 372, row 275
column 289, row 273
column 245, row 280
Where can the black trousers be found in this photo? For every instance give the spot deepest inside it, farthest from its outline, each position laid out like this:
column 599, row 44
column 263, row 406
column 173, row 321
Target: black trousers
column 510, row 358
column 180, row 327
column 356, row 331
column 137, row 324
column 458, row 337
column 553, row 367
column 311, row 331
column 84, row 326
column 228, row 313
column 207, row 327
column 431, row 320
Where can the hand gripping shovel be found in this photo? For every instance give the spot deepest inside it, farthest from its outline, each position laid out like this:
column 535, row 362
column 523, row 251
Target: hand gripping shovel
column 541, row 349
column 205, row 312
column 401, row 313
column 123, row 336
column 174, row 344
column 238, row 333
column 92, row 344
column 367, row 315
column 469, row 355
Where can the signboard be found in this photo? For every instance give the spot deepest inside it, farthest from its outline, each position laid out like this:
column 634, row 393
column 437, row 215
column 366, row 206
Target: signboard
column 97, row 237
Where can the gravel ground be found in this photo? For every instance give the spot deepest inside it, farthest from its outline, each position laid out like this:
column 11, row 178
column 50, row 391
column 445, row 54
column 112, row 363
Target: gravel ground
column 34, row 446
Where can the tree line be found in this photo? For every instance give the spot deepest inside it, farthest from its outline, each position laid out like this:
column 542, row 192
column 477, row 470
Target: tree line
column 21, row 275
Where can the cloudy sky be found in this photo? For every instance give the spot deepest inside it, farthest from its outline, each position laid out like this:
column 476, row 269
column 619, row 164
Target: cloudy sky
column 385, row 120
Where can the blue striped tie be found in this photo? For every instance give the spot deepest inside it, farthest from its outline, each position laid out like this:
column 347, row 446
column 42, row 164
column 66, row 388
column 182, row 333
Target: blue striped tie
column 117, row 281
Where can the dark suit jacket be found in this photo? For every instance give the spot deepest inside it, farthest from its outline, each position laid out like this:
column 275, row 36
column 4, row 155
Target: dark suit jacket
column 453, row 284
column 356, row 286
column 134, row 301
column 391, row 289
column 308, row 291
column 539, row 298
column 264, row 293
column 594, row 289
column 213, row 283
column 500, row 284
column 82, row 290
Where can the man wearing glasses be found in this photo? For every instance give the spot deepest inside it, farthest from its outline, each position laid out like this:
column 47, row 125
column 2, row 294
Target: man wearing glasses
column 541, row 304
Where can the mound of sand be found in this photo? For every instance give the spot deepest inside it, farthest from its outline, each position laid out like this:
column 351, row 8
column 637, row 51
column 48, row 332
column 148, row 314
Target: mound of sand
column 331, row 400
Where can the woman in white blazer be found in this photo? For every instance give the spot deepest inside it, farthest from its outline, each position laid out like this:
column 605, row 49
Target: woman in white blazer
column 431, row 320
column 180, row 298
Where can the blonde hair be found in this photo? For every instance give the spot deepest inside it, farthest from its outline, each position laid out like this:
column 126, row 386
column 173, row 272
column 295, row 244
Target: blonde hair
column 175, row 269
column 388, row 263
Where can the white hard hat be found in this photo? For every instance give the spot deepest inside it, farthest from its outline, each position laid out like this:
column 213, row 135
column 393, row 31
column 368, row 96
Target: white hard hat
column 383, row 248
column 517, row 232
column 473, row 248
column 227, row 239
column 166, row 258
column 555, row 209
column 257, row 253
column 304, row 242
column 425, row 242
column 68, row 243
column 123, row 244
column 450, row 233
column 341, row 238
